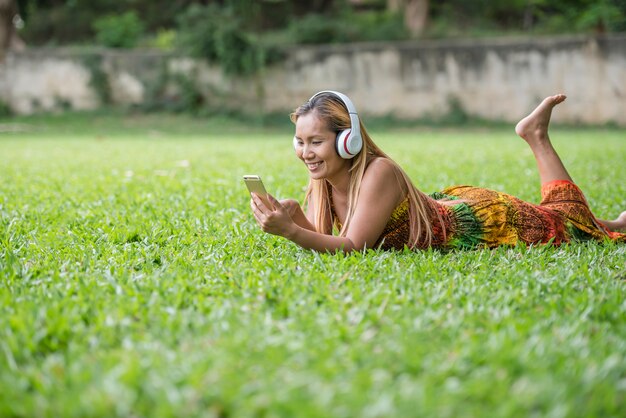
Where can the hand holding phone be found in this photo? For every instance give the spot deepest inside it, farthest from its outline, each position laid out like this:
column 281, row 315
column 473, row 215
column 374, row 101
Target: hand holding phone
column 255, row 185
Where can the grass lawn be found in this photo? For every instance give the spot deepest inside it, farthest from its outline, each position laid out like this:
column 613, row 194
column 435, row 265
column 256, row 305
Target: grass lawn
column 134, row 282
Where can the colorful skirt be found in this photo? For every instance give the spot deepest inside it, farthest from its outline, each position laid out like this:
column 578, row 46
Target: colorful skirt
column 488, row 218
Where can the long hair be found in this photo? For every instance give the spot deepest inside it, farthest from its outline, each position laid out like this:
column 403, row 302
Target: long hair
column 331, row 110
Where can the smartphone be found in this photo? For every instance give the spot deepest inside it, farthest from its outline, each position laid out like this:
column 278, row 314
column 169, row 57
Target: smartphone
column 255, row 185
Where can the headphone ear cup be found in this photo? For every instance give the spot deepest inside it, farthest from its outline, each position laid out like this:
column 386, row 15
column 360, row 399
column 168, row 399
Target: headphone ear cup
column 355, row 144
column 341, row 144
column 347, row 144
column 295, row 143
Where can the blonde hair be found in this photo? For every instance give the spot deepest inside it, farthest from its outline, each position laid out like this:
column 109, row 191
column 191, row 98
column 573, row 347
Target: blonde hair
column 330, row 109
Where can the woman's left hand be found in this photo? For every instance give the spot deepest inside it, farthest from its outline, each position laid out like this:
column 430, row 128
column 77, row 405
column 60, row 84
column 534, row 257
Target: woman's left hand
column 275, row 221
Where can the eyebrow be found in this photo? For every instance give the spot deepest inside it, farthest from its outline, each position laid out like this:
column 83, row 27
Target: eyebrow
column 316, row 136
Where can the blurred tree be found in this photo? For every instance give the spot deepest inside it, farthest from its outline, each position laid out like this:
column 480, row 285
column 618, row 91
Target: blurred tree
column 119, row 30
column 218, row 34
column 72, row 21
column 415, row 14
column 538, row 16
column 8, row 35
column 69, row 21
column 600, row 16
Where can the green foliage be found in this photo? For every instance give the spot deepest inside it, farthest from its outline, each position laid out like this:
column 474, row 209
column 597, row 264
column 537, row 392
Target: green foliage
column 244, row 23
column 119, row 31
column 174, row 93
column 319, row 29
column 456, row 115
column 72, row 21
column 601, row 16
column 99, row 80
column 347, row 27
column 189, row 98
column 458, row 17
column 218, row 35
column 136, row 283
column 62, row 104
column 379, row 26
column 197, row 27
column 5, row 110
column 164, row 39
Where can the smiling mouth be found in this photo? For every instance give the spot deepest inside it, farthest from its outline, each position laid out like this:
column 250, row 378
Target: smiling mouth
column 313, row 166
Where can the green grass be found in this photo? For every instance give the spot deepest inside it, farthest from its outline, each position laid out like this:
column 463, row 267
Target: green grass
column 134, row 282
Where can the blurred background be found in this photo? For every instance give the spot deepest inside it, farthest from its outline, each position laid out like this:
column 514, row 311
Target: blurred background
column 491, row 59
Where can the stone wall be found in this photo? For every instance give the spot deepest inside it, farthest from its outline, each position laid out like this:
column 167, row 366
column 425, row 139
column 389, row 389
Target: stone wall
column 498, row 79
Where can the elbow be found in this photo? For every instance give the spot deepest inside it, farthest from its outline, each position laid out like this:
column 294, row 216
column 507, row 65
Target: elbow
column 355, row 245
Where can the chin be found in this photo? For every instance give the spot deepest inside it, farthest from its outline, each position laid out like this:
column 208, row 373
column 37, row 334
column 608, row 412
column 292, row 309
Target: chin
column 317, row 176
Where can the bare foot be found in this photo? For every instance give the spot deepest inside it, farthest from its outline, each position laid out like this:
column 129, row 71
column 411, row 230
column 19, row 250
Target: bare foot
column 620, row 223
column 617, row 225
column 534, row 127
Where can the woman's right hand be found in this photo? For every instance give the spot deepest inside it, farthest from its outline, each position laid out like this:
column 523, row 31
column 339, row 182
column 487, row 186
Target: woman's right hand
column 275, row 219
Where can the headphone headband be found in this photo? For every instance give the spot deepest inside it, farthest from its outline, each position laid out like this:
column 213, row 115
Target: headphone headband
column 354, row 116
column 348, row 142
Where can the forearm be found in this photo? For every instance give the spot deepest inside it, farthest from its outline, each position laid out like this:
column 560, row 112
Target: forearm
column 312, row 240
column 287, row 220
column 301, row 220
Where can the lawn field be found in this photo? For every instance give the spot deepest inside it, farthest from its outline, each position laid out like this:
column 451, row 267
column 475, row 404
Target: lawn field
column 135, row 283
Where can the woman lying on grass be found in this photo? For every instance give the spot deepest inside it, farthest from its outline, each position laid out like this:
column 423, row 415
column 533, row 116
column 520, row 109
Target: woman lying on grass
column 357, row 189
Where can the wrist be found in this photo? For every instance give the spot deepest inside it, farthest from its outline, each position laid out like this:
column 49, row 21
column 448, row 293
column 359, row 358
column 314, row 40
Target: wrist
column 292, row 232
column 292, row 208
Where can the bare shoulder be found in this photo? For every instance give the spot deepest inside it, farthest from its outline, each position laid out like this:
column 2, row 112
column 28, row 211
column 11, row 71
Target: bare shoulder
column 384, row 176
column 380, row 165
column 381, row 170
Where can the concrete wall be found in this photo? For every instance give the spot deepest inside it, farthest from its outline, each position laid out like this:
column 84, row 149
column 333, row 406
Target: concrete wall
column 492, row 78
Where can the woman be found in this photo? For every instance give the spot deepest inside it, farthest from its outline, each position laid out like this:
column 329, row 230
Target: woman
column 356, row 190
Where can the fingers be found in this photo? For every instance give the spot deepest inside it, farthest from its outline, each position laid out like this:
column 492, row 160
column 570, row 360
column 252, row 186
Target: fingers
column 275, row 218
column 274, row 202
column 262, row 211
column 290, row 206
column 270, row 214
column 258, row 211
column 262, row 214
column 258, row 207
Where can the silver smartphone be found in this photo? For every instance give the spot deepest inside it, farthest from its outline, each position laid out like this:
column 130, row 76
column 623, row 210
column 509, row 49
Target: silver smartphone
column 255, row 185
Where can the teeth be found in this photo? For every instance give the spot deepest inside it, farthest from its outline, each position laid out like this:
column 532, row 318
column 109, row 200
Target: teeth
column 313, row 165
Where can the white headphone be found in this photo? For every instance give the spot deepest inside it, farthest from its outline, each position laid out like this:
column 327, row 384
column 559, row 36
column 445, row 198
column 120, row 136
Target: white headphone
column 348, row 142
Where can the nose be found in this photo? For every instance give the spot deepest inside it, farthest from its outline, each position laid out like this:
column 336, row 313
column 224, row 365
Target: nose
column 306, row 150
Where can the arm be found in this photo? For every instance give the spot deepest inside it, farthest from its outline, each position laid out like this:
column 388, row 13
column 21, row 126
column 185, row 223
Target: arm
column 380, row 193
column 280, row 222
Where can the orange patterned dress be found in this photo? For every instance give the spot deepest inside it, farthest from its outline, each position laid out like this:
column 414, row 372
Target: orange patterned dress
column 487, row 218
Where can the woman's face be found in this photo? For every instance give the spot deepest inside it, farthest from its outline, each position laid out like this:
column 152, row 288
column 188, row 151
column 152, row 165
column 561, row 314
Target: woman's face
column 315, row 146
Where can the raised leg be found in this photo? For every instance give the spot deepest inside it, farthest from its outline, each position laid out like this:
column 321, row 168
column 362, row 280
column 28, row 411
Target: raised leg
column 534, row 130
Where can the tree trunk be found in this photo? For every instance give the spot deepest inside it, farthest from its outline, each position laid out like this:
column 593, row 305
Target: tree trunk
column 8, row 35
column 415, row 14
column 395, row 5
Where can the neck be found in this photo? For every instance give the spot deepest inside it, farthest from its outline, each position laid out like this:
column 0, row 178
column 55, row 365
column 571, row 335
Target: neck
column 340, row 186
